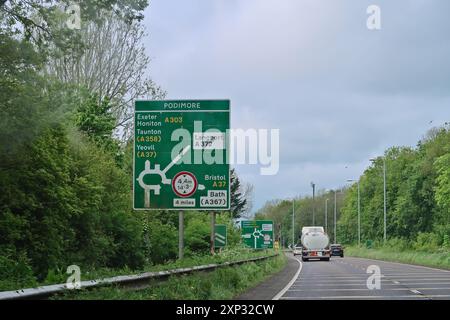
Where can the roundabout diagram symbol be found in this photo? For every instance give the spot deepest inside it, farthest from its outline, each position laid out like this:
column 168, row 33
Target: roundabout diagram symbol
column 184, row 184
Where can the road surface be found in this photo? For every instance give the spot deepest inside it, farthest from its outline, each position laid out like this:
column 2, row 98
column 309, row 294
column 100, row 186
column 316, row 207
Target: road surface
column 346, row 279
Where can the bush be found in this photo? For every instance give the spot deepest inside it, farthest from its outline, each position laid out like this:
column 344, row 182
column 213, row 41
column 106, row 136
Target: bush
column 162, row 241
column 15, row 271
column 398, row 243
column 197, row 233
column 427, row 242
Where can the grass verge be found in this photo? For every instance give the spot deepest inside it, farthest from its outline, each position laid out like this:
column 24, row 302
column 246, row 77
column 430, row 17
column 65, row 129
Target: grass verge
column 55, row 277
column 224, row 283
column 429, row 259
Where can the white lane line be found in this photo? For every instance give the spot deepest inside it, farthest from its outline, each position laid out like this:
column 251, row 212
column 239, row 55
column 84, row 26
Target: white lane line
column 390, row 272
column 417, row 276
column 341, row 277
column 416, row 291
column 423, row 279
column 359, row 297
column 402, row 264
column 364, row 276
column 363, row 284
column 408, row 280
column 434, row 288
column 337, row 281
column 358, row 289
column 422, row 283
column 285, row 289
column 394, row 283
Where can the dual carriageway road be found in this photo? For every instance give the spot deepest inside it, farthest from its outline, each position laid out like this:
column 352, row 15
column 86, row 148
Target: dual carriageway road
column 346, row 279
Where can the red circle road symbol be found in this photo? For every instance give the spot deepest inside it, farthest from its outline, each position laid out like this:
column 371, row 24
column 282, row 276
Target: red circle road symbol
column 184, row 184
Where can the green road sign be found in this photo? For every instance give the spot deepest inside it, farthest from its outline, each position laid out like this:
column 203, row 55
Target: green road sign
column 257, row 234
column 181, row 155
column 220, row 235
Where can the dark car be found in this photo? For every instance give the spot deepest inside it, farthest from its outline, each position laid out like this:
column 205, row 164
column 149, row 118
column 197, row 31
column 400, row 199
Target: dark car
column 337, row 250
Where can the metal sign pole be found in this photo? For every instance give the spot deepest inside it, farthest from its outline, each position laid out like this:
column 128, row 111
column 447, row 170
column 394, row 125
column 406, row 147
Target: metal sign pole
column 213, row 231
column 181, row 234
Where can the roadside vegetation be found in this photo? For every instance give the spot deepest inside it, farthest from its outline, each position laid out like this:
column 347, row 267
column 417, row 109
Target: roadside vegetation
column 230, row 254
column 439, row 259
column 224, row 283
column 66, row 149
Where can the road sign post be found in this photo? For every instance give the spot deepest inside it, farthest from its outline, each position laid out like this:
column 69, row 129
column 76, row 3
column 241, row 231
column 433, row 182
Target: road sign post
column 220, row 236
column 181, row 234
column 213, row 232
column 181, row 155
column 257, row 234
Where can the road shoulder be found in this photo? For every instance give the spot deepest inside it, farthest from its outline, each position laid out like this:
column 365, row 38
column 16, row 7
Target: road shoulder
column 271, row 287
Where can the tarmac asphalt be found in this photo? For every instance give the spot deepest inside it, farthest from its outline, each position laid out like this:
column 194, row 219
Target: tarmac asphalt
column 352, row 278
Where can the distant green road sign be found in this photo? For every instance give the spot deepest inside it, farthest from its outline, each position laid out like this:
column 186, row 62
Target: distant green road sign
column 220, row 235
column 257, row 234
column 181, row 155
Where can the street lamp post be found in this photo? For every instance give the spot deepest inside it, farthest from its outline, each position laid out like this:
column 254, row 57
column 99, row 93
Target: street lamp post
column 335, row 214
column 313, row 185
column 326, row 215
column 335, row 211
column 293, row 223
column 359, row 210
column 384, row 199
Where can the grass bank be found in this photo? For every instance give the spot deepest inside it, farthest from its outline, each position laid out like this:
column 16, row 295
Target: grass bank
column 429, row 259
column 224, row 283
column 60, row 276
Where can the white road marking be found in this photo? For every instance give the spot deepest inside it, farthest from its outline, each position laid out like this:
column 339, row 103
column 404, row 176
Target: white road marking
column 422, row 283
column 412, row 281
column 346, row 284
column 363, row 275
column 285, row 289
column 403, row 264
column 396, row 283
column 386, row 276
column 387, row 272
column 416, row 291
column 424, row 279
column 419, row 276
column 434, row 288
column 335, row 281
column 359, row 297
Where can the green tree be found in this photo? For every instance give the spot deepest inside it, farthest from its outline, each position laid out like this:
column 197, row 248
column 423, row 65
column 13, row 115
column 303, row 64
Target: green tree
column 239, row 200
column 197, row 233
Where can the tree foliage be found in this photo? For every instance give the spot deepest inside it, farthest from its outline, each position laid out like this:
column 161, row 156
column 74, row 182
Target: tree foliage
column 111, row 62
column 66, row 179
column 417, row 195
column 240, row 196
column 418, row 200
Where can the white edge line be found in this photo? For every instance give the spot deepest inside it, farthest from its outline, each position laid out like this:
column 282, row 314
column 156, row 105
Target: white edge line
column 400, row 263
column 289, row 285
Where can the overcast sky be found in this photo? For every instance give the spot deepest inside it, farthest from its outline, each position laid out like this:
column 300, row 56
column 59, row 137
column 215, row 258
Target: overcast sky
column 339, row 93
